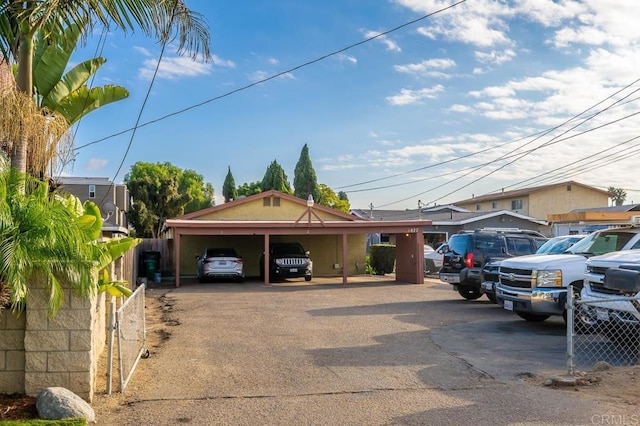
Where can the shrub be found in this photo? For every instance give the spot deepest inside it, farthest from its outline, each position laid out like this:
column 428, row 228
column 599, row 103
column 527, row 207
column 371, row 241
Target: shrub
column 382, row 258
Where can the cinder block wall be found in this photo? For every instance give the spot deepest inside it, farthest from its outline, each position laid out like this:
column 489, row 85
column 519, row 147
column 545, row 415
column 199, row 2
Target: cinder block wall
column 63, row 350
column 11, row 352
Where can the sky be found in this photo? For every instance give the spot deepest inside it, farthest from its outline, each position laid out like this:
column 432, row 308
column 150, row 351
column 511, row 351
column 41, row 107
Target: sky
column 400, row 102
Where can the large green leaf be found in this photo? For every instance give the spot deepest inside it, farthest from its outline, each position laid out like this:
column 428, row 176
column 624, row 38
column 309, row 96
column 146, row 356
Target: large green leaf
column 51, row 57
column 83, row 101
column 72, row 81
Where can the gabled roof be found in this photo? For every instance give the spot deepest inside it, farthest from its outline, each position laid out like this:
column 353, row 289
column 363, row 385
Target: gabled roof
column 524, row 192
column 266, row 194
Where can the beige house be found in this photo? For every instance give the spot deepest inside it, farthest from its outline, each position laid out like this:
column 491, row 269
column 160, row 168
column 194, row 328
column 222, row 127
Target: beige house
column 335, row 240
column 541, row 201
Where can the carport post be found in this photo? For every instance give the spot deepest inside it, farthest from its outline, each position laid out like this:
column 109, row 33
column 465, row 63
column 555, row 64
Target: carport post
column 266, row 259
column 344, row 258
column 177, row 259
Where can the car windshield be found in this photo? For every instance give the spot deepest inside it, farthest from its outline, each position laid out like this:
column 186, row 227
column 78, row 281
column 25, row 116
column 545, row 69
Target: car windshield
column 601, row 242
column 221, row 252
column 558, row 245
column 280, row 249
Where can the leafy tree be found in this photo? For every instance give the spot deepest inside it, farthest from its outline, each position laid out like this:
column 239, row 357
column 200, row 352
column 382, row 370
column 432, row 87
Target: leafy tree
column 247, row 189
column 618, row 195
column 275, row 178
column 343, row 196
column 229, row 190
column 329, row 198
column 200, row 193
column 162, row 191
column 304, row 180
column 21, row 20
column 42, row 236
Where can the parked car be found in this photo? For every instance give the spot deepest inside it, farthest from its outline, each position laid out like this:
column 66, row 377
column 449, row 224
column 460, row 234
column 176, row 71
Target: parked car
column 535, row 287
column 287, row 260
column 607, row 307
column 220, row 263
column 490, row 269
column 469, row 250
column 433, row 258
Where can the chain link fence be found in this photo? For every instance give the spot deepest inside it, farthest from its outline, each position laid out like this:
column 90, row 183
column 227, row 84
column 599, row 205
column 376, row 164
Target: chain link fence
column 604, row 330
column 128, row 324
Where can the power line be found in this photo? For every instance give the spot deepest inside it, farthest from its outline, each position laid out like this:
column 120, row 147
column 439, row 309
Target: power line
column 553, row 141
column 290, row 70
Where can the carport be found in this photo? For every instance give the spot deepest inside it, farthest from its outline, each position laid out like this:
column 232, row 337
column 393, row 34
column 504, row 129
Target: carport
column 274, row 215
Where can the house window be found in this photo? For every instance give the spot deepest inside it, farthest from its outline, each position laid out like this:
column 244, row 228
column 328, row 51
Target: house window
column 266, row 201
column 384, row 238
column 276, row 201
column 478, row 207
column 92, row 191
column 494, row 205
column 569, row 187
column 516, row 204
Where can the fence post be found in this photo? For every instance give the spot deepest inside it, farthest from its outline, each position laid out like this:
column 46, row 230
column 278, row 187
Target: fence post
column 111, row 327
column 570, row 316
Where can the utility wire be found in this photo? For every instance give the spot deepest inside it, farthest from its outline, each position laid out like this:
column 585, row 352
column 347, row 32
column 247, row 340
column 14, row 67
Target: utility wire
column 290, row 70
column 551, row 142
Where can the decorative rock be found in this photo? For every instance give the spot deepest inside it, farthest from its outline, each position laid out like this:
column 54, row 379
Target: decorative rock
column 601, row 366
column 57, row 403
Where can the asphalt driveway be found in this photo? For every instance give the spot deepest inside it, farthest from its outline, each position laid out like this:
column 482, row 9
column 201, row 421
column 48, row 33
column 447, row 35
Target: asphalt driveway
column 368, row 353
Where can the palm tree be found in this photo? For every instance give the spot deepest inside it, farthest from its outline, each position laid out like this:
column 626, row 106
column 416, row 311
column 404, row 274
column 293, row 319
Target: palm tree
column 20, row 21
column 60, row 94
column 42, row 236
column 617, row 195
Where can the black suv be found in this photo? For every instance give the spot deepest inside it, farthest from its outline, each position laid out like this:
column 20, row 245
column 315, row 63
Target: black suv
column 287, row 260
column 468, row 251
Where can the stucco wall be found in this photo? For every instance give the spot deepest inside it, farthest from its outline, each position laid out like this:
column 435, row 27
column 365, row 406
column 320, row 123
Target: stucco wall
column 11, row 352
column 256, row 210
column 561, row 200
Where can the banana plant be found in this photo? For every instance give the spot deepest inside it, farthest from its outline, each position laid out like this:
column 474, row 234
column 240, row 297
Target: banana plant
column 68, row 94
column 105, row 252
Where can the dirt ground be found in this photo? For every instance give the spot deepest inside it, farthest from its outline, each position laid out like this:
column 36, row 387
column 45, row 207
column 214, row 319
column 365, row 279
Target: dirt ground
column 615, row 385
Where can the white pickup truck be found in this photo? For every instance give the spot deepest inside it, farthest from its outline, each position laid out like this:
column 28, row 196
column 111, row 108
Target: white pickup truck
column 535, row 287
column 604, row 305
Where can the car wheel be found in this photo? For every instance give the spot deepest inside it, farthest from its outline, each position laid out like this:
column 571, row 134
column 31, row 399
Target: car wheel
column 307, row 278
column 532, row 317
column 469, row 293
column 429, row 266
column 491, row 297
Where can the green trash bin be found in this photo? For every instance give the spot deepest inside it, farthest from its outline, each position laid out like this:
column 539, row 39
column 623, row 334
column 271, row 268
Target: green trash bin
column 151, row 267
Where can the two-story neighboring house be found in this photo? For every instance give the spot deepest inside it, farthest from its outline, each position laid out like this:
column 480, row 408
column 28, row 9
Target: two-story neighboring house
column 540, row 201
column 113, row 199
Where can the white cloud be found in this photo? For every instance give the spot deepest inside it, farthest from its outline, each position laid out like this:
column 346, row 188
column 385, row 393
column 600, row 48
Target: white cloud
column 390, row 44
column 142, row 50
column 346, row 58
column 272, row 61
column 495, row 57
column 408, row 96
column 173, row 67
column 95, row 164
column 425, row 67
column 263, row 75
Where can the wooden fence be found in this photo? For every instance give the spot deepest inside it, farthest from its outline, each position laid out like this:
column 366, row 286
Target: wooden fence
column 165, row 250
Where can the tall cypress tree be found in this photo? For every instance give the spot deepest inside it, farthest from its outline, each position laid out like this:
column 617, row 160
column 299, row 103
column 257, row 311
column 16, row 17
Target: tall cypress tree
column 304, row 179
column 229, row 190
column 276, row 178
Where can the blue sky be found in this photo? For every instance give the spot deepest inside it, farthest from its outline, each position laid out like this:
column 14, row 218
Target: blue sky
column 465, row 102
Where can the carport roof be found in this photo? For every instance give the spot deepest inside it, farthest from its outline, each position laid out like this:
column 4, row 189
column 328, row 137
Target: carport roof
column 313, row 219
